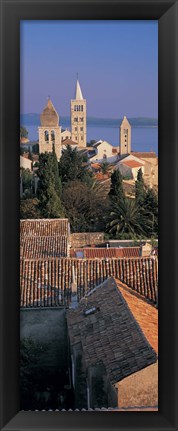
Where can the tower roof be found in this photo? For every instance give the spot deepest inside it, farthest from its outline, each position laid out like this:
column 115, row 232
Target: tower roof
column 78, row 92
column 125, row 123
column 49, row 116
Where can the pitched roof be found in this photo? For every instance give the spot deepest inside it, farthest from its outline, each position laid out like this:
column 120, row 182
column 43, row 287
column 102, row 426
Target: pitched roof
column 54, row 274
column 132, row 163
column 44, row 227
column 109, row 334
column 69, row 142
column 49, row 116
column 43, row 246
column 140, row 154
column 145, row 314
column 125, row 123
column 78, row 91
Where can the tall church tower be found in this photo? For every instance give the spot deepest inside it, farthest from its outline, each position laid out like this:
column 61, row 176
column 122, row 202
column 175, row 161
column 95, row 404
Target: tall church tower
column 78, row 117
column 125, row 137
column 49, row 131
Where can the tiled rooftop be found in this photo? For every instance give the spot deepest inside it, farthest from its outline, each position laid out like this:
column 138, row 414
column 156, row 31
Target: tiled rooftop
column 110, row 335
column 148, row 154
column 144, row 313
column 48, row 282
column 101, row 253
column 132, row 163
column 44, row 246
column 44, row 227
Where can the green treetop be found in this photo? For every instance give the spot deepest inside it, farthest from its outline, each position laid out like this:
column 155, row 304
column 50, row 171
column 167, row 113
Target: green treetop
column 71, row 166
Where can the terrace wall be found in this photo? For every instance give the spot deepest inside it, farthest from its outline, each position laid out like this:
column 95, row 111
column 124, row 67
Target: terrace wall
column 86, row 239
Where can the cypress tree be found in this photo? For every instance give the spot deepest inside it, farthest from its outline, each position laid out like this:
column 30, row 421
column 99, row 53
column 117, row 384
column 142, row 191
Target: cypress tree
column 49, row 188
column 151, row 206
column 116, row 192
column 140, row 190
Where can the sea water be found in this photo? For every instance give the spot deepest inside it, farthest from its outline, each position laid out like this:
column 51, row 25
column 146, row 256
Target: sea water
column 143, row 138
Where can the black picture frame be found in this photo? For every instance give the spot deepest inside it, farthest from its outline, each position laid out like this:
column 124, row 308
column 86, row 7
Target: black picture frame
column 12, row 11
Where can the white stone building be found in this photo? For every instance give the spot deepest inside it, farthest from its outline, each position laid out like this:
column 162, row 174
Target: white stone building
column 104, row 151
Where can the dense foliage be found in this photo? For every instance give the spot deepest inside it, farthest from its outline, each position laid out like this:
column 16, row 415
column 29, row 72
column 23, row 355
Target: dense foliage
column 68, row 188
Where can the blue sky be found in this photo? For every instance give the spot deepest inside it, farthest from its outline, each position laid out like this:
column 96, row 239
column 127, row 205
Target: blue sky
column 117, row 64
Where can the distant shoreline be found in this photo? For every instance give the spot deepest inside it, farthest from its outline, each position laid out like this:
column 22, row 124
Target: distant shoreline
column 34, row 120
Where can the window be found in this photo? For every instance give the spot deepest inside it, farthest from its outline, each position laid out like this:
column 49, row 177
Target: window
column 74, row 107
column 81, row 128
column 81, row 107
column 76, row 129
column 46, row 136
column 76, row 119
column 104, row 156
column 91, row 310
column 81, row 119
column 76, row 138
column 81, row 138
column 52, row 136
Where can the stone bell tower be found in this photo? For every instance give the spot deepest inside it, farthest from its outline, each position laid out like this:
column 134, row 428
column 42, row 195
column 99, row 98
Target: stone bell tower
column 125, row 137
column 78, row 117
column 49, row 131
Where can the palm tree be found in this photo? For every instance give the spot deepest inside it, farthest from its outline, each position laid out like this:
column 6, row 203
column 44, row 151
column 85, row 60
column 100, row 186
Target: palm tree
column 127, row 218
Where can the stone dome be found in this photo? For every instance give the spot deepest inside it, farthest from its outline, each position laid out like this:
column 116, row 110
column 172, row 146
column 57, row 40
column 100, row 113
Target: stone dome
column 49, row 116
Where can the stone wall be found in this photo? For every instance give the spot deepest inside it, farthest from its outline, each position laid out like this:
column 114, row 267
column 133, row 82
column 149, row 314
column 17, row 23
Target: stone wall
column 139, row 389
column 86, row 239
column 48, row 282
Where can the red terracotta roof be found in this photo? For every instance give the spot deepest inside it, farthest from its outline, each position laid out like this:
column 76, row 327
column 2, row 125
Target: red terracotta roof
column 101, row 253
column 132, row 163
column 149, row 154
column 145, row 314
